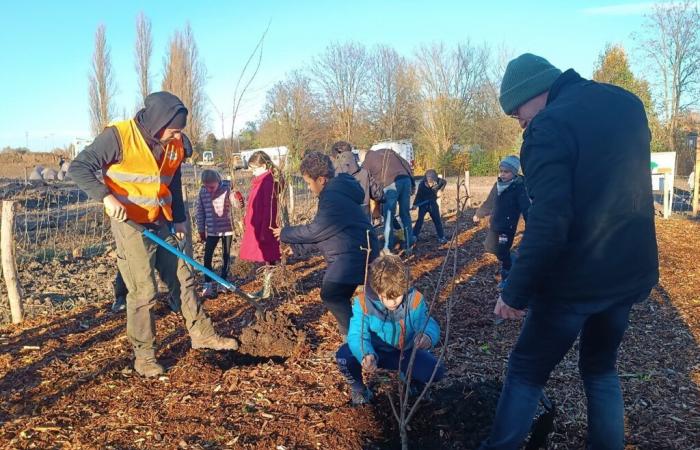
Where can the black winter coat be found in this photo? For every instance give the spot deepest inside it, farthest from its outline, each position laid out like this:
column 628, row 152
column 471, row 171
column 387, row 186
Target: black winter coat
column 339, row 230
column 426, row 193
column 505, row 209
column 590, row 238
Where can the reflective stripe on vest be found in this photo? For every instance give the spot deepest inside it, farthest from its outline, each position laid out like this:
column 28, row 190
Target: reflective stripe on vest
column 135, row 178
column 138, row 180
column 144, row 201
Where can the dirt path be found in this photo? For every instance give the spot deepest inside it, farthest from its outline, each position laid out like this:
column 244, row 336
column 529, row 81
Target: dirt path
column 65, row 380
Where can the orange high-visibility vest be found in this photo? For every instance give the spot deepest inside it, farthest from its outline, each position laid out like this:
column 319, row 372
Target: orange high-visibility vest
column 140, row 182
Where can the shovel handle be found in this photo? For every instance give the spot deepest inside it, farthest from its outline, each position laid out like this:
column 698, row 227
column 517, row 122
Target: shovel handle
column 251, row 299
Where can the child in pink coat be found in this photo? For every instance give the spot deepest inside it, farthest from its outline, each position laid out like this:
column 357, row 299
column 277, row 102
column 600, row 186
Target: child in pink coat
column 258, row 243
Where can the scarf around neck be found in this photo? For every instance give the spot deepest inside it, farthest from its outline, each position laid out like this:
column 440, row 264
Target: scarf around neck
column 503, row 185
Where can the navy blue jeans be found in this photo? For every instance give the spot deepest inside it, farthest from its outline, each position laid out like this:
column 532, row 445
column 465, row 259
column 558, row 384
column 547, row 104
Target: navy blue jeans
column 423, row 366
column 397, row 193
column 429, row 207
column 547, row 335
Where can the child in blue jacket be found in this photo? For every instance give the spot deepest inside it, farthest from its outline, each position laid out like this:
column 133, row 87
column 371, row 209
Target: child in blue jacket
column 387, row 319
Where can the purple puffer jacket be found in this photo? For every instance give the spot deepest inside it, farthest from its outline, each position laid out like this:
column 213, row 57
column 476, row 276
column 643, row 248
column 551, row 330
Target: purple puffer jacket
column 214, row 210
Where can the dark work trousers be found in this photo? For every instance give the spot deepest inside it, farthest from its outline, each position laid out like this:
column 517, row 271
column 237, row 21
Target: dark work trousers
column 429, row 207
column 500, row 244
column 338, row 299
column 549, row 331
column 210, row 246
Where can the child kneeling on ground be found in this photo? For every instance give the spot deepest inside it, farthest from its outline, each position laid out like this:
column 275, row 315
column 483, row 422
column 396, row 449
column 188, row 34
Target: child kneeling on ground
column 387, row 319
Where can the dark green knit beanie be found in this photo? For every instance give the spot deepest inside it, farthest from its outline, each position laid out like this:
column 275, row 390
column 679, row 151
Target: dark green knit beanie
column 526, row 77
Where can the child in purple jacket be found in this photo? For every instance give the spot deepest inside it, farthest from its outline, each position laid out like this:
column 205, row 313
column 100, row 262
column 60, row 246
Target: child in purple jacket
column 214, row 222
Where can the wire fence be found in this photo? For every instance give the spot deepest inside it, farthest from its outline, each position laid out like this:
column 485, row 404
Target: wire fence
column 60, row 233
column 55, row 220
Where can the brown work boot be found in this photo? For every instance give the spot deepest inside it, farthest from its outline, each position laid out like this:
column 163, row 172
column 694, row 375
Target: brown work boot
column 147, row 366
column 215, row 342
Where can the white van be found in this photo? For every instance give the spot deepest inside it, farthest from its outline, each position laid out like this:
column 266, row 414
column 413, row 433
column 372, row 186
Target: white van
column 277, row 154
column 404, row 148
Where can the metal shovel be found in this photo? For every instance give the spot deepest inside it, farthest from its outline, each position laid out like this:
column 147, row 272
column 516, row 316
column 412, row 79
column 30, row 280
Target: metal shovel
column 251, row 299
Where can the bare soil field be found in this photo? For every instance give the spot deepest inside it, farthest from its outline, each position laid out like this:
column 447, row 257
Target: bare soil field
column 66, row 379
column 13, row 165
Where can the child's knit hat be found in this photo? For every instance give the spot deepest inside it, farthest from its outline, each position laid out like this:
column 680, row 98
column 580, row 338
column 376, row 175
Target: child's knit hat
column 511, row 163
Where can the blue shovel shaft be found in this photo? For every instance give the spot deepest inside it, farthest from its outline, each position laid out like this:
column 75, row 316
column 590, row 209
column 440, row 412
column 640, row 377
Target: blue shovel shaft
column 225, row 283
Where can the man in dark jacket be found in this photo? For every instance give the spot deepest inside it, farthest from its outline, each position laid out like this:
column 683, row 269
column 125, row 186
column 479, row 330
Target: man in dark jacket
column 396, row 178
column 589, row 249
column 340, row 230
column 140, row 159
column 426, row 202
column 345, row 161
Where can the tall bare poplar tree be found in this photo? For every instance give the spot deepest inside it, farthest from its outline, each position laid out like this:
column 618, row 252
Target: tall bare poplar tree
column 184, row 74
column 142, row 53
column 102, row 87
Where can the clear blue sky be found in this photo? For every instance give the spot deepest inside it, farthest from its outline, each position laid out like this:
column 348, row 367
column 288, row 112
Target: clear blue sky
column 47, row 46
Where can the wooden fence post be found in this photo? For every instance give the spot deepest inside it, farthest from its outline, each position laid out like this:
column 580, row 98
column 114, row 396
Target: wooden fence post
column 9, row 267
column 291, row 199
column 466, row 183
column 668, row 195
column 188, row 222
column 439, row 197
column 696, row 179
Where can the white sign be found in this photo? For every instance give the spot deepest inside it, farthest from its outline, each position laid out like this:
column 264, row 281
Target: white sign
column 663, row 172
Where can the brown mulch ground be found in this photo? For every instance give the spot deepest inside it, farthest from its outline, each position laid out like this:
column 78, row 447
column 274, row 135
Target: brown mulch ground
column 66, row 382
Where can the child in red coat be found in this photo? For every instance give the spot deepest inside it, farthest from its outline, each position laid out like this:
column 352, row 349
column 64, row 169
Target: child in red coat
column 258, row 243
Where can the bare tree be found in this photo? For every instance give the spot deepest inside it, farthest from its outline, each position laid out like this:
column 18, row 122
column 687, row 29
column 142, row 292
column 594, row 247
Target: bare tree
column 341, row 73
column 450, row 83
column 393, row 105
column 102, row 87
column 671, row 42
column 240, row 91
column 292, row 116
column 184, row 74
column 142, row 53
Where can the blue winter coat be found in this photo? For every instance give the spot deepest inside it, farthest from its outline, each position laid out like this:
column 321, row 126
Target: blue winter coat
column 374, row 328
column 339, row 231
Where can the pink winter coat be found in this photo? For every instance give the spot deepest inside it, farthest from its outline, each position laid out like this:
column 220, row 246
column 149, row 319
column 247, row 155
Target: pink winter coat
column 259, row 244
